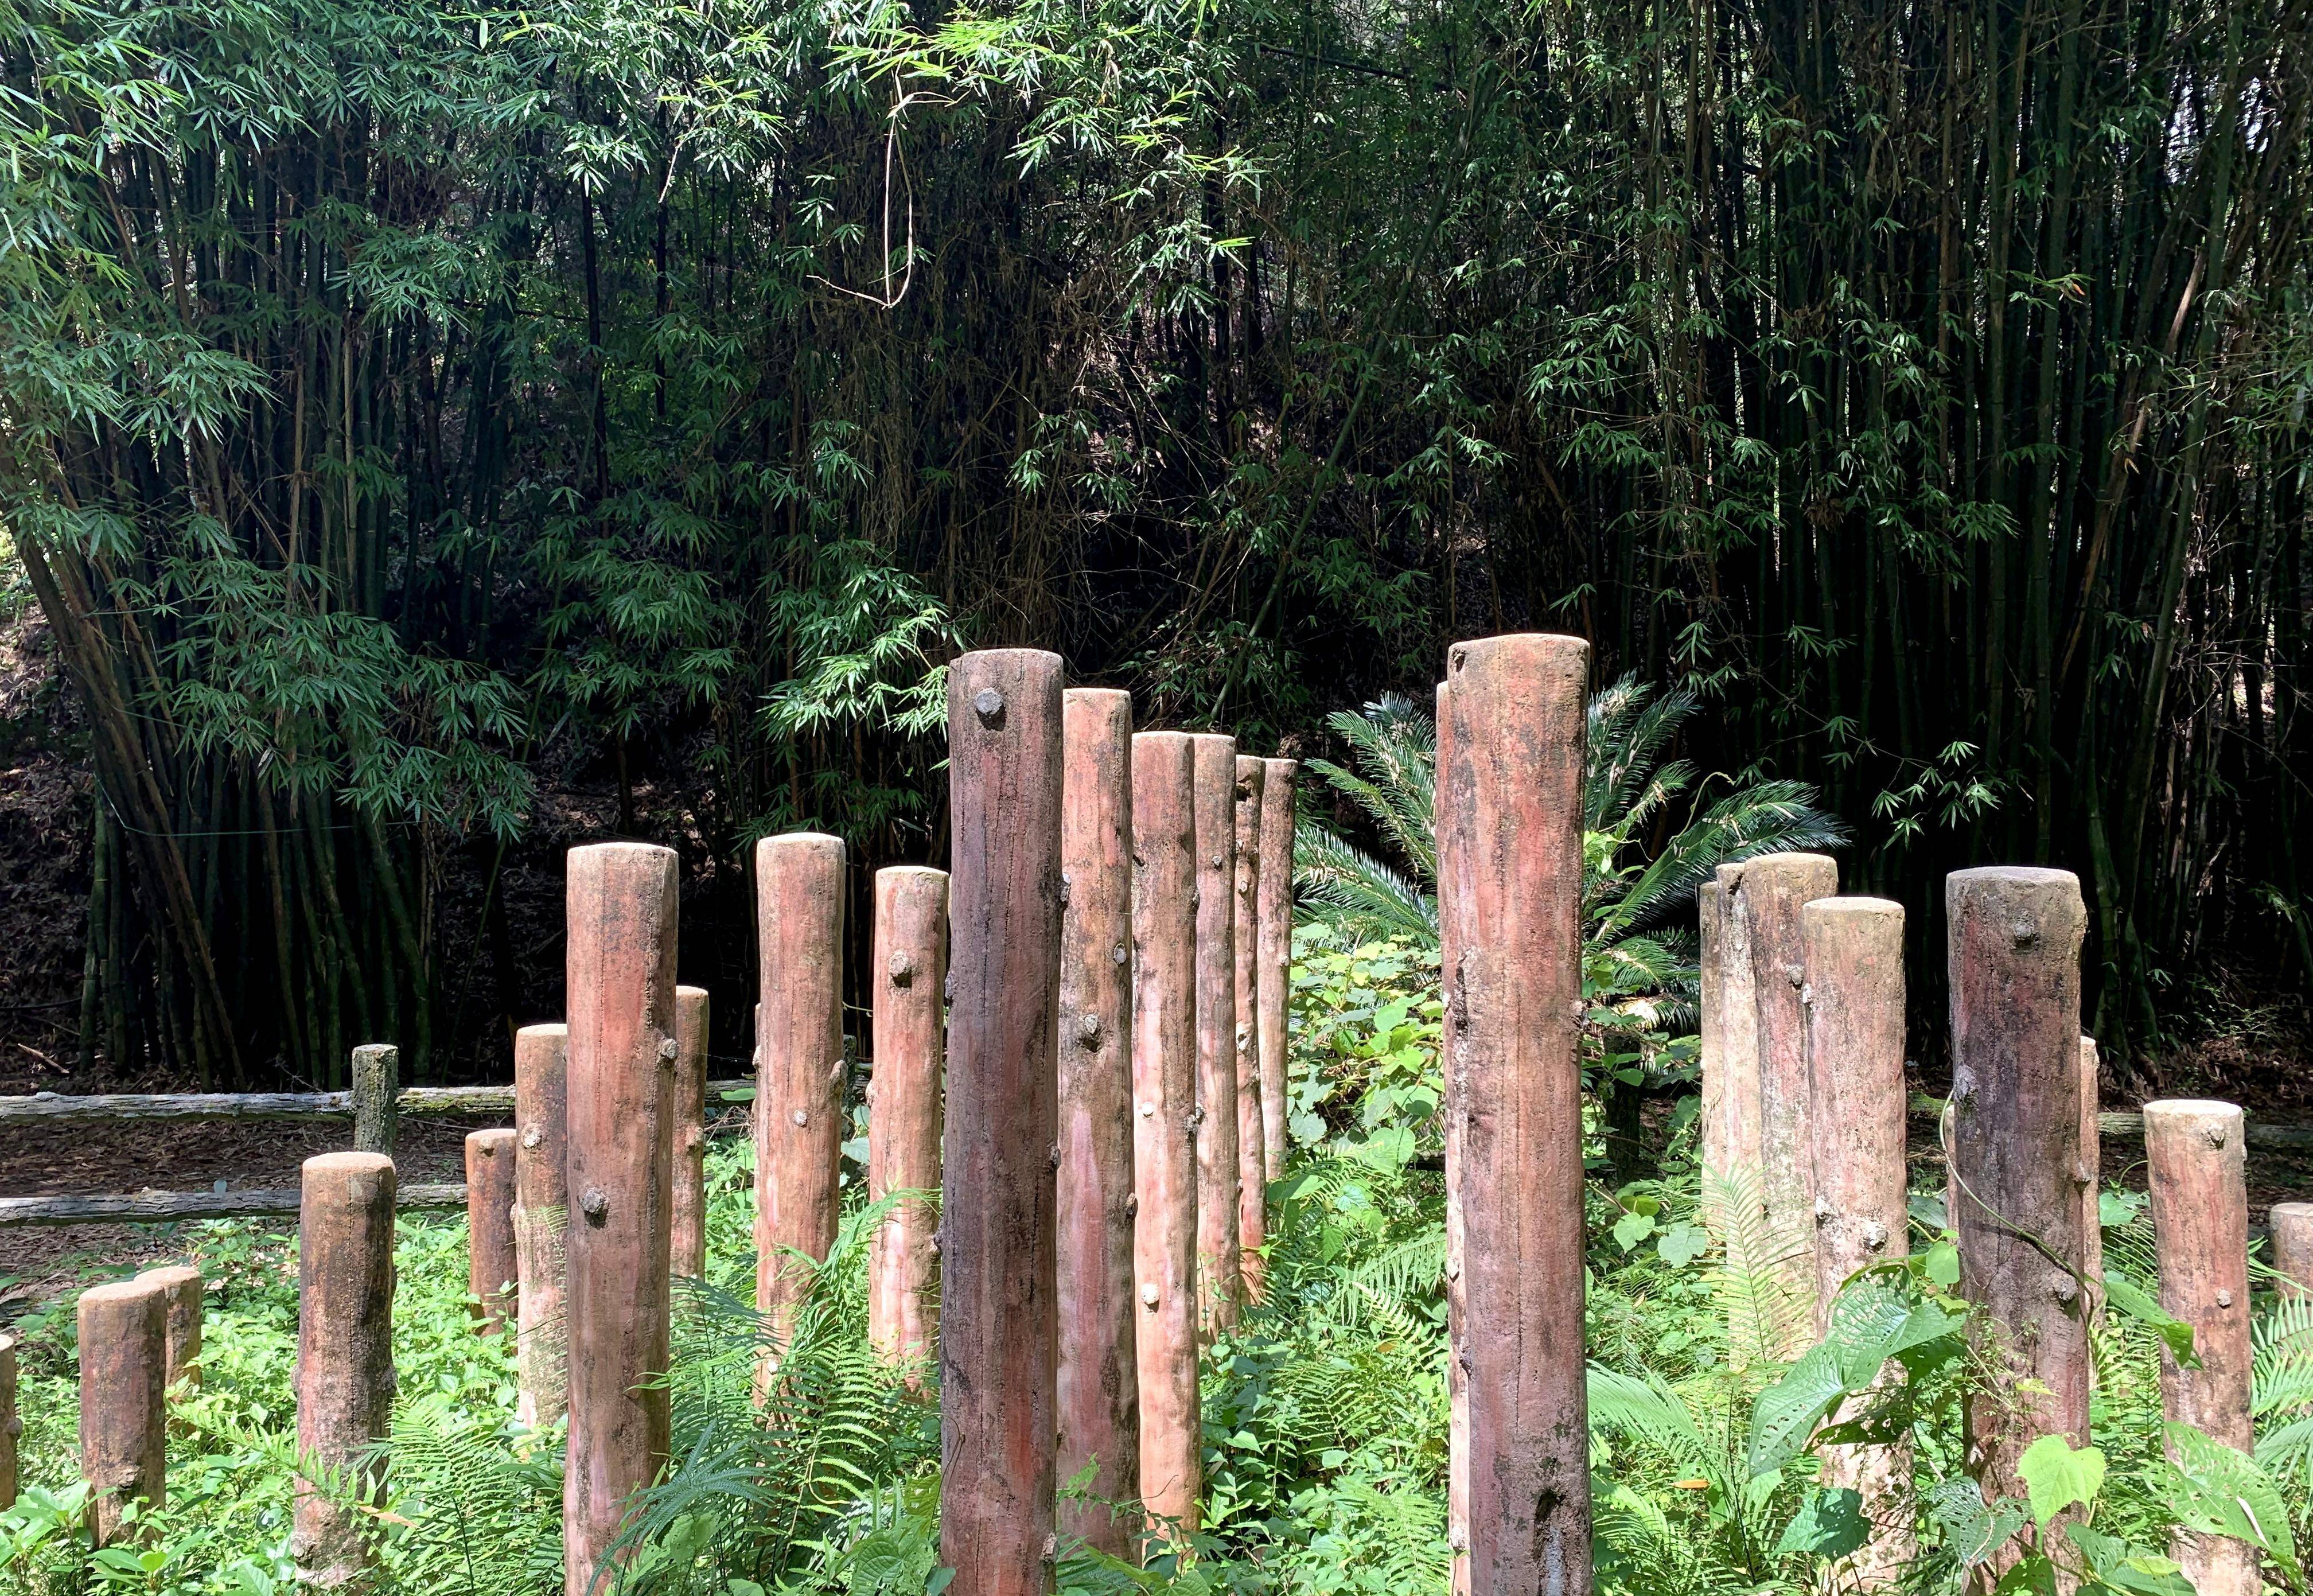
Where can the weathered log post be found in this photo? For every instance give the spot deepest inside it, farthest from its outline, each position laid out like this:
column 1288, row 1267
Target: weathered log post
column 904, row 1128
column 2197, row 1176
column 799, row 1065
column 1276, row 940
column 2091, row 1178
column 1219, row 1263
column 1731, row 1152
column 2292, row 1246
column 1252, row 1161
column 124, row 1431
column 2014, row 970
column 1098, row 1380
column 183, row 1290
column 493, row 1270
column 1853, row 950
column 541, row 1214
column 1457, row 1300
column 1510, row 872
column 1163, row 1121
column 999, row 1323
column 621, row 911
column 686, row 1234
column 12, row 1424
column 377, row 1095
column 345, row 1355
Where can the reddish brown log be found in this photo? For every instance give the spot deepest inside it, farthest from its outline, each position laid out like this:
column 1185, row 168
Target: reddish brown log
column 1252, row 1166
column 686, row 1234
column 2014, row 970
column 1276, row 940
column 1457, row 1302
column 2292, row 1246
column 493, row 1274
column 621, row 916
column 181, row 1285
column 1510, row 872
column 12, row 1426
column 2197, row 1176
column 1219, row 1263
column 2091, row 1176
column 345, row 1355
column 542, row 1213
column 1730, row 1052
column 124, row 1339
column 999, row 1324
column 799, row 1057
column 904, row 1128
column 1163, row 1121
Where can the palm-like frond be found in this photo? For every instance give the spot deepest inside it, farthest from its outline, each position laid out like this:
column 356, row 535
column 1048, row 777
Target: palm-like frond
column 1395, row 744
column 1336, row 878
column 1767, row 817
column 1628, row 729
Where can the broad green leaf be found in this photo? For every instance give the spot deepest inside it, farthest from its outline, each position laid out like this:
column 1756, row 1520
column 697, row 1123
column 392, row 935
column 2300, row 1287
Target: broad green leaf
column 2132, row 1300
column 1942, row 1265
column 1633, row 1228
column 1973, row 1530
column 1830, row 1523
column 2056, row 1477
column 2225, row 1493
column 1786, row 1412
column 1682, row 1244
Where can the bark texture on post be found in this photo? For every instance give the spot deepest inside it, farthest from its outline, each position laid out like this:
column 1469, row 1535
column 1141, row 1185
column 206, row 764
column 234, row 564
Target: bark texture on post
column 1733, row 1036
column 687, row 1236
column 622, row 898
column 493, row 1272
column 799, row 1063
column 541, row 1215
column 2091, row 1177
column 345, row 1351
column 182, row 1288
column 12, row 1425
column 124, row 1429
column 2014, row 970
column 1098, row 1379
column 2195, row 1174
column 903, row 1114
column 1219, row 1263
column 998, row 1326
column 2292, row 1246
column 377, row 1086
column 1163, row 1121
column 1252, row 1164
column 1510, row 872
column 1276, row 940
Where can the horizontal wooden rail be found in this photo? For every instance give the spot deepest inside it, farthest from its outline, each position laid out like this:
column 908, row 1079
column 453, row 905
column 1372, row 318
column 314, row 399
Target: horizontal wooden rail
column 2258, row 1133
column 147, row 1208
column 49, row 1107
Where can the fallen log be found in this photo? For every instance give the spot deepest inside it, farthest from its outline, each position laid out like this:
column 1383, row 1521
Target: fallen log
column 147, row 1208
column 48, row 1106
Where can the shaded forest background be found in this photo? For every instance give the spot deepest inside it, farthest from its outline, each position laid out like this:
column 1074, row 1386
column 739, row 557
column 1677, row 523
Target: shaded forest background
column 434, row 432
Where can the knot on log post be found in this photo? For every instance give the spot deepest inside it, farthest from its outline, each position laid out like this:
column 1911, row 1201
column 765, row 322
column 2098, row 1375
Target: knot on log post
column 989, row 705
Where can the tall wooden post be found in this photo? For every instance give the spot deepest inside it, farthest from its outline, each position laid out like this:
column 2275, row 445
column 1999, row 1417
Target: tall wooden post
column 377, row 1096
column 344, row 1352
column 1457, row 1298
column 621, row 899
column 1731, row 1152
column 1219, row 1263
column 2292, row 1246
column 1509, row 874
column 1252, row 1162
column 999, row 1323
column 687, row 1236
column 2091, row 1177
column 1098, row 1380
column 182, row 1289
column 904, row 1124
column 1276, row 940
column 12, row 1426
column 2195, row 1174
column 799, row 1060
column 540, row 1222
column 2014, row 968
column 493, row 1274
column 124, row 1430
column 1163, row 1121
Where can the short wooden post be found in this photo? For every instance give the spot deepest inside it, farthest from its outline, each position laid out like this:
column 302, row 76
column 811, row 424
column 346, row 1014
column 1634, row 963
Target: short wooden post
column 377, row 1096
column 1853, row 950
column 12, row 1425
column 493, row 1273
column 2015, row 969
column 687, row 1244
column 124, row 1339
column 2292, row 1246
column 621, row 916
column 1252, row 1160
column 541, row 1221
column 1276, row 940
column 903, row 1114
column 799, row 1066
column 1731, row 1152
column 999, row 1324
column 1220, row 1262
column 1098, row 1379
column 345, row 1355
column 1509, row 873
column 2192, row 1152
column 1163, row 1123
column 2091, row 1177
column 182, row 1288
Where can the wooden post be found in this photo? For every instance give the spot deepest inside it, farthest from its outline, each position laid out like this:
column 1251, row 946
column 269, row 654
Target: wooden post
column 12, row 1426
column 687, row 1243
column 799, row 1066
column 1853, row 949
column 1163, row 1123
column 1509, row 873
column 2193, row 1153
column 493, row 1273
column 1457, row 1299
column 1251, row 1133
column 540, row 1222
column 621, row 911
column 1219, row 1263
column 124, row 1339
column 1276, row 939
column 2091, row 1177
column 2292, row 1246
column 1731, row 1152
column 377, row 1089
column 904, row 1124
column 1000, row 1325
column 345, row 1354
column 182, row 1289
column 2015, row 969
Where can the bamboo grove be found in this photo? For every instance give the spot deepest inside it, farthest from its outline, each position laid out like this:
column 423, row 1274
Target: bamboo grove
column 408, row 405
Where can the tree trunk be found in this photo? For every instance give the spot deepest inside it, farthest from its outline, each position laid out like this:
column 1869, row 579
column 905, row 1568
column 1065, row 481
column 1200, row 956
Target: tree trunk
column 1219, row 1265
column 493, row 1274
column 345, row 1354
column 1276, row 978
column 903, row 1130
column 540, row 1222
column 687, row 1235
column 124, row 1339
column 1252, row 1166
